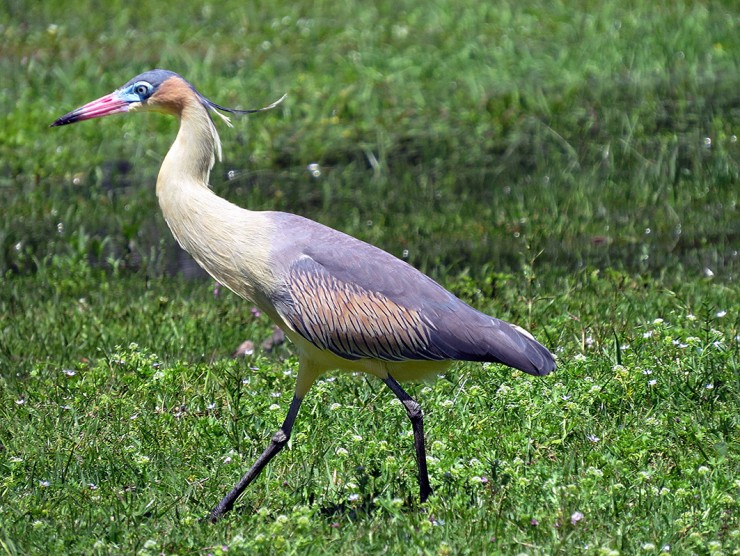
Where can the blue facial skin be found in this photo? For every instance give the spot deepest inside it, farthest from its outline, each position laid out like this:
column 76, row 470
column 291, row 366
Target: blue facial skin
column 136, row 92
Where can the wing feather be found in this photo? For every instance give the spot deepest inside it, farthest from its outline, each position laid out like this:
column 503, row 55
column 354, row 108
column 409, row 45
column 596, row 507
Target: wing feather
column 358, row 301
column 349, row 320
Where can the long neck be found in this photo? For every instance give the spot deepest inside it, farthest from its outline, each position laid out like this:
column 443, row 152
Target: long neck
column 184, row 196
column 230, row 243
column 195, row 149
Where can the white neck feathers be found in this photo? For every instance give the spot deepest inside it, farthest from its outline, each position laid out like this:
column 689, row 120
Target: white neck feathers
column 229, row 242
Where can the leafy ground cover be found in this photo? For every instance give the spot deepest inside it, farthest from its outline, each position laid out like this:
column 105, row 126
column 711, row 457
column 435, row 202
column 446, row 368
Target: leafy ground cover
column 569, row 167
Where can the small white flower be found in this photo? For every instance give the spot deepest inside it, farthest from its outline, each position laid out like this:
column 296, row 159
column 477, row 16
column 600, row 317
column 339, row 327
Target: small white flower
column 44, row 484
column 690, row 317
column 20, row 401
column 721, row 314
column 274, row 407
column 354, row 497
column 579, row 357
column 647, row 334
column 314, row 169
column 652, row 382
column 593, row 438
column 342, row 452
column 709, row 386
column 576, row 517
column 69, row 372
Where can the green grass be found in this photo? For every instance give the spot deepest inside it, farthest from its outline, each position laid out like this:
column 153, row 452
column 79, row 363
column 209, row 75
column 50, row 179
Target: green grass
column 570, row 130
column 645, row 449
column 572, row 168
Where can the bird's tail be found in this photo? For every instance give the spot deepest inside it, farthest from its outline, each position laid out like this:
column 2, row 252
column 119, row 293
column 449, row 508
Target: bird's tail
column 480, row 337
column 534, row 358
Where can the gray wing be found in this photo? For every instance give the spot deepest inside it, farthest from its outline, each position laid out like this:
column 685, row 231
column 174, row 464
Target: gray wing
column 358, row 301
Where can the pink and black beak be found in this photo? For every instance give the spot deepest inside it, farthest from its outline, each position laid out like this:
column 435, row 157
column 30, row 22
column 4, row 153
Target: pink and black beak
column 136, row 94
column 114, row 103
column 131, row 96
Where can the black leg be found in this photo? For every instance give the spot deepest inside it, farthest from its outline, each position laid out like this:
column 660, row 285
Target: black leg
column 279, row 440
column 413, row 409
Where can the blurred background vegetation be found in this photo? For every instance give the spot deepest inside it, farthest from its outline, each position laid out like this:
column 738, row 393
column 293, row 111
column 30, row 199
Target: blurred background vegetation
column 464, row 136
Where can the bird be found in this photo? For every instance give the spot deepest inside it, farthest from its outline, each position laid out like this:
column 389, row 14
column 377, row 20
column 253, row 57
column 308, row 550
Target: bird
column 345, row 304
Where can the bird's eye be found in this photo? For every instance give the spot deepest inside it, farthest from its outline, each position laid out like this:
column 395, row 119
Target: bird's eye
column 143, row 90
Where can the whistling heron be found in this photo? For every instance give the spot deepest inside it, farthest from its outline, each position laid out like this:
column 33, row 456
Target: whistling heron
column 344, row 303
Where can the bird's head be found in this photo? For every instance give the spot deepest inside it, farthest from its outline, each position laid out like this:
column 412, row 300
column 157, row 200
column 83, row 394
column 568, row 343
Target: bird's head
column 155, row 90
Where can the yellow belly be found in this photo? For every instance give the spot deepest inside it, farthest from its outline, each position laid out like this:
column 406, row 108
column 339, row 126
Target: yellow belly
column 315, row 362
